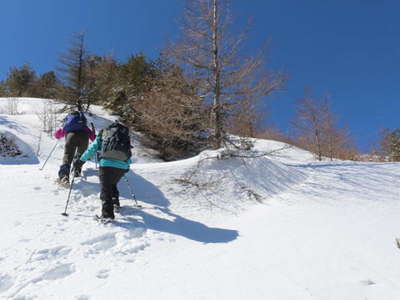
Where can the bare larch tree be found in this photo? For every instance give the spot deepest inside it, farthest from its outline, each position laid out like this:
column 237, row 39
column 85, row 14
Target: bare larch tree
column 317, row 130
column 74, row 70
column 212, row 56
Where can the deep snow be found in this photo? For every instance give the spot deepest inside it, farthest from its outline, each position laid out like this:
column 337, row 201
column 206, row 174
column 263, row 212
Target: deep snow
column 280, row 226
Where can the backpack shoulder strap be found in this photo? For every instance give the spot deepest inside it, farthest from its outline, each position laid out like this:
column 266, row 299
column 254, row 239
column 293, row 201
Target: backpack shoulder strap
column 82, row 116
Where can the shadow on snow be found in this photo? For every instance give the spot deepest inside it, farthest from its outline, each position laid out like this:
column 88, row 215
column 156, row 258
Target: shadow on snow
column 148, row 193
column 181, row 226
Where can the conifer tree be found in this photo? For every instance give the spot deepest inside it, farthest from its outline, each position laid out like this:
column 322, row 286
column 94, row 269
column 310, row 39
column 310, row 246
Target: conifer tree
column 20, row 81
column 131, row 81
column 390, row 144
column 47, row 86
column 3, row 89
column 103, row 74
column 395, row 144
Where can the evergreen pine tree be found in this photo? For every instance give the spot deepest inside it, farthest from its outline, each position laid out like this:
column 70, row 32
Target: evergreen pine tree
column 20, row 81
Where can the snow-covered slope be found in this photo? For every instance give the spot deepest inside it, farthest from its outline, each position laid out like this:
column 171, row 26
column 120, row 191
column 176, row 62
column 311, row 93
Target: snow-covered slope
column 279, row 226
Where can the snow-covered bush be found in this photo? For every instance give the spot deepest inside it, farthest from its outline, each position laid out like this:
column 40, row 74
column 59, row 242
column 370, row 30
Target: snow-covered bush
column 8, row 148
column 12, row 106
column 48, row 116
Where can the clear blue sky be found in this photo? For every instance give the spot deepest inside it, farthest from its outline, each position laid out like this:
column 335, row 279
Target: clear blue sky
column 347, row 48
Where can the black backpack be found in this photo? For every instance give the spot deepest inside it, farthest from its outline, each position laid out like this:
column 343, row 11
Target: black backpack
column 116, row 143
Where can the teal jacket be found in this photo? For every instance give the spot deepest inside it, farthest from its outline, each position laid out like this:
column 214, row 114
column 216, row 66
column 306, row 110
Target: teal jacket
column 104, row 162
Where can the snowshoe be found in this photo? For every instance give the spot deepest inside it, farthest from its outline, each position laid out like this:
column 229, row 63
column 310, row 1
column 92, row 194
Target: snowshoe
column 103, row 220
column 64, row 181
column 117, row 208
column 77, row 173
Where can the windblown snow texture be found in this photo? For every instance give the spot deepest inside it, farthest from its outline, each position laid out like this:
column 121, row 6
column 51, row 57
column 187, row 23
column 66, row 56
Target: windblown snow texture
column 279, row 226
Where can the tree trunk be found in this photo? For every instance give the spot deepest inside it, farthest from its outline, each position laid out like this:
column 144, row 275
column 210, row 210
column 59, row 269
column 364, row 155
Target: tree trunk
column 217, row 84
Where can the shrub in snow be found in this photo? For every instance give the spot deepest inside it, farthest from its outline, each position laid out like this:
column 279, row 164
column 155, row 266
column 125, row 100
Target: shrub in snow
column 8, row 148
column 12, row 106
column 48, row 117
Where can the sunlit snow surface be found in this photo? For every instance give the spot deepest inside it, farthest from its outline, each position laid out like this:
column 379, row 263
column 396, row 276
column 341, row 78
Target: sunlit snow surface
column 280, row 226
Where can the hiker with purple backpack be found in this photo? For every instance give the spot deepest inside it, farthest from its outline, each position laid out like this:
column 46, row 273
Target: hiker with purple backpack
column 77, row 135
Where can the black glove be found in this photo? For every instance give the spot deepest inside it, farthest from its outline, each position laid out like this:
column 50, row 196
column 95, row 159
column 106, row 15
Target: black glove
column 78, row 164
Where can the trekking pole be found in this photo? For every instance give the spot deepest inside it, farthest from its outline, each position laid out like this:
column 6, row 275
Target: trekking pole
column 69, row 194
column 51, row 152
column 95, row 157
column 70, row 188
column 131, row 190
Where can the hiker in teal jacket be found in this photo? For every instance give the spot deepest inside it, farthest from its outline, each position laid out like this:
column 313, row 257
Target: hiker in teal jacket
column 113, row 144
column 104, row 162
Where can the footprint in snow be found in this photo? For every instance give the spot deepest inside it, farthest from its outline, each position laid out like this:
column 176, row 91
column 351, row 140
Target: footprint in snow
column 131, row 248
column 129, row 242
column 59, row 272
column 82, row 297
column 51, row 253
column 24, row 298
column 6, row 281
column 134, row 233
column 368, row 282
column 101, row 243
column 23, row 241
column 103, row 274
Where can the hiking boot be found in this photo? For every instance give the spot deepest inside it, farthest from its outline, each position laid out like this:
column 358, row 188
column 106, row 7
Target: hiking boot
column 64, row 180
column 107, row 212
column 77, row 173
column 116, row 204
column 117, row 208
column 78, row 167
column 64, row 171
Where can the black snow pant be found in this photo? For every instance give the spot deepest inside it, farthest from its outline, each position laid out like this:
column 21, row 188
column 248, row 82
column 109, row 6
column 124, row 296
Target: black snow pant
column 109, row 195
column 74, row 141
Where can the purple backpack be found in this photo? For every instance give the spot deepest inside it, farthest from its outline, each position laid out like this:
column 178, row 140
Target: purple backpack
column 75, row 121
